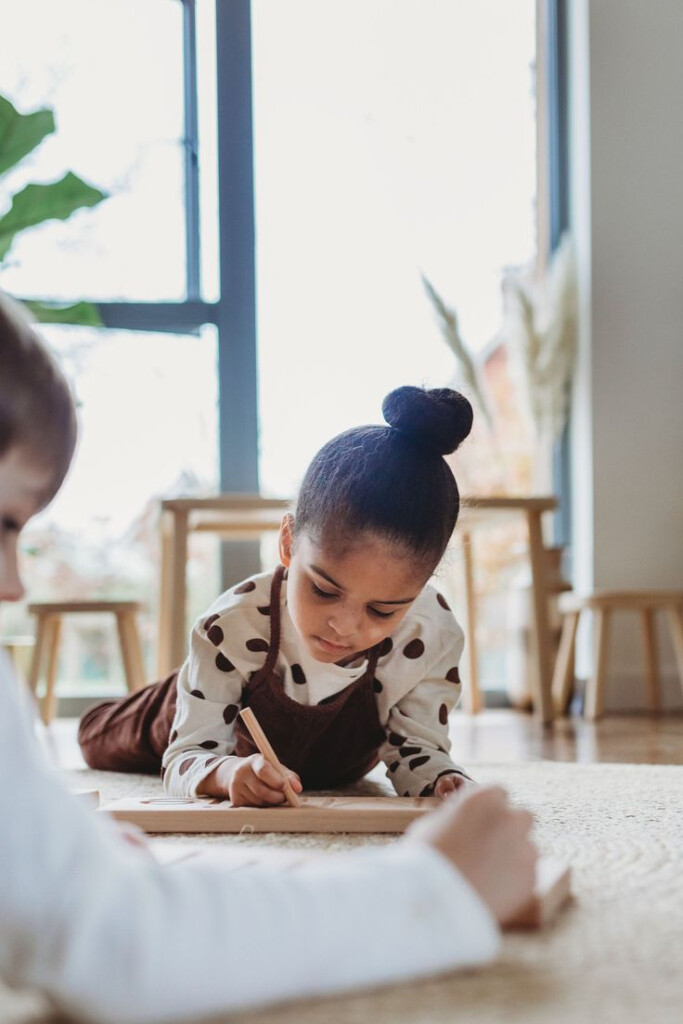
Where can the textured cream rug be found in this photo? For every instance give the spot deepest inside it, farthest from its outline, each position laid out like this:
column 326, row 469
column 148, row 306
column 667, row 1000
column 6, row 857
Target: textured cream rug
column 615, row 955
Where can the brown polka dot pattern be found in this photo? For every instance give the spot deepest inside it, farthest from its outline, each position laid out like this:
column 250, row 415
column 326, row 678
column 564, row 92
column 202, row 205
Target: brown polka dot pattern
column 298, row 675
column 396, row 740
column 209, row 744
column 443, row 602
column 223, row 663
column 417, row 761
column 427, row 791
column 453, row 676
column 408, row 751
column 186, row 764
column 162, row 773
column 415, row 649
column 448, row 771
column 328, row 700
column 264, row 609
column 197, row 693
column 394, row 765
column 215, row 635
column 443, row 714
column 257, row 644
column 211, row 760
column 377, row 686
column 210, row 621
column 173, row 737
column 246, row 587
column 230, row 713
column 385, row 647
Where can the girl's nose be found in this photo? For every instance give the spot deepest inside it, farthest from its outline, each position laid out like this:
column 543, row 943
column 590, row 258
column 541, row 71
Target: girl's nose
column 344, row 622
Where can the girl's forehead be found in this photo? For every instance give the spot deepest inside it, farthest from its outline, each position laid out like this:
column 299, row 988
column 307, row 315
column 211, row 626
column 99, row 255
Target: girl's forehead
column 367, row 558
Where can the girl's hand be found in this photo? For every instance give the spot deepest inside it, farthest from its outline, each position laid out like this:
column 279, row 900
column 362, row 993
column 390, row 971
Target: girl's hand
column 448, row 784
column 488, row 841
column 255, row 783
column 248, row 782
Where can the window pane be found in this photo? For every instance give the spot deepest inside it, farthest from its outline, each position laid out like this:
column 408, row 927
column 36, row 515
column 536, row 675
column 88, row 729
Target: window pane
column 394, row 140
column 148, row 429
column 112, row 72
column 391, row 139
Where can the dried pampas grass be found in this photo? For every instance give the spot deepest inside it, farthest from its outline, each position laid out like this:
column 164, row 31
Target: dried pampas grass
column 540, row 333
column 448, row 322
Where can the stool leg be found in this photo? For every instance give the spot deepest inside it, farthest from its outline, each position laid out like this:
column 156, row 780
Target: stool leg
column 38, row 654
column 651, row 661
column 48, row 704
column 596, row 684
column 563, row 675
column 131, row 650
column 675, row 620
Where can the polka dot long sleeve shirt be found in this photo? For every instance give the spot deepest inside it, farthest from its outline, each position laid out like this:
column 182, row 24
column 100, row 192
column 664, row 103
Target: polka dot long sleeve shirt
column 417, row 685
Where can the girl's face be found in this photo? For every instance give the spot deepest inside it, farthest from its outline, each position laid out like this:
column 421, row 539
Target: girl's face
column 23, row 487
column 342, row 604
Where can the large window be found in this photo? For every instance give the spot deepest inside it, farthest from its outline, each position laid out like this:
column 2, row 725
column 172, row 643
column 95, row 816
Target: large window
column 280, row 177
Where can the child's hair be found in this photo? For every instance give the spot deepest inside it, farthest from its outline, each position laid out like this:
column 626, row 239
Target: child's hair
column 37, row 411
column 391, row 481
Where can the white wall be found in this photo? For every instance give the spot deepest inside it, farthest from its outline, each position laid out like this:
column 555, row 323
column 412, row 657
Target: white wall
column 626, row 111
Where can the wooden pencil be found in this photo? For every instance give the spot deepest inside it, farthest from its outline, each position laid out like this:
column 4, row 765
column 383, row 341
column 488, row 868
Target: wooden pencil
column 261, row 741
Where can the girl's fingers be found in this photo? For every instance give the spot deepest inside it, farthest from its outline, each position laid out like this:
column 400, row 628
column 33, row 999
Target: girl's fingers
column 269, row 775
column 263, row 794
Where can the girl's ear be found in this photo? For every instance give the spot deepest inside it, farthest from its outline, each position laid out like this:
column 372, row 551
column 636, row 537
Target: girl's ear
column 286, row 539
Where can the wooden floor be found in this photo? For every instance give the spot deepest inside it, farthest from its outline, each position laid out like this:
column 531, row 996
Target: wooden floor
column 504, row 735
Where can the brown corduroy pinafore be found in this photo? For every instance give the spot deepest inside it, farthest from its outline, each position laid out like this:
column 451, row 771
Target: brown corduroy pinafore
column 328, row 744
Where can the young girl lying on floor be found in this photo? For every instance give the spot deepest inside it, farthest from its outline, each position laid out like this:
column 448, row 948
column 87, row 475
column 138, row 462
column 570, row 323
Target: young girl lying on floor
column 345, row 653
column 109, row 935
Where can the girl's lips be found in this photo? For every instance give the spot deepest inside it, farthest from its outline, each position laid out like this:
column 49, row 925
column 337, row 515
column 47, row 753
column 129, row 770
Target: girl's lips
column 327, row 645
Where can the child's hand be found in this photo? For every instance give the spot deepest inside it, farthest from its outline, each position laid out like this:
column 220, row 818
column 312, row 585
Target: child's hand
column 255, row 783
column 248, row 782
column 448, row 784
column 488, row 842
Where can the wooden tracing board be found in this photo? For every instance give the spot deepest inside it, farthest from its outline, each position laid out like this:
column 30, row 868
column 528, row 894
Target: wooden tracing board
column 316, row 814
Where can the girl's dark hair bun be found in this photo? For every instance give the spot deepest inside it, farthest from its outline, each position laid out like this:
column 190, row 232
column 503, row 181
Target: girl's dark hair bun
column 438, row 419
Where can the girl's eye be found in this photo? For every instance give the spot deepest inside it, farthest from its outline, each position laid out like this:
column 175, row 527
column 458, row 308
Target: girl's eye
column 381, row 615
column 321, row 593
column 10, row 525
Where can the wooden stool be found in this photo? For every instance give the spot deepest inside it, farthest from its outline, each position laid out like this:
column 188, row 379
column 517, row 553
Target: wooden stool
column 602, row 604
column 48, row 630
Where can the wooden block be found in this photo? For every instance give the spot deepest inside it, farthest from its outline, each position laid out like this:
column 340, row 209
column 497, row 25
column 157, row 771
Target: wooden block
column 316, row 814
column 552, row 891
column 89, row 796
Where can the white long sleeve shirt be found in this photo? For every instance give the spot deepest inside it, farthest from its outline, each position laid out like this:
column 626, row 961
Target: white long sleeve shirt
column 111, row 936
column 417, row 685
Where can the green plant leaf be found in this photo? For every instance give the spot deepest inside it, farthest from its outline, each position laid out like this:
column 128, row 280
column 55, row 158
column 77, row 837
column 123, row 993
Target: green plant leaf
column 83, row 314
column 38, row 203
column 21, row 133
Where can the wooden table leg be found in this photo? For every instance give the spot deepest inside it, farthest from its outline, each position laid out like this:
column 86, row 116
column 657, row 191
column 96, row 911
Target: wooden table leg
column 540, row 627
column 164, row 653
column 178, row 639
column 38, row 656
column 473, row 698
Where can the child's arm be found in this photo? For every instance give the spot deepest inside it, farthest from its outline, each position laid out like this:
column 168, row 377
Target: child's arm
column 109, row 935
column 417, row 749
column 199, row 759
